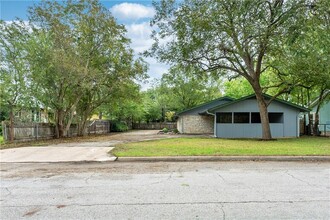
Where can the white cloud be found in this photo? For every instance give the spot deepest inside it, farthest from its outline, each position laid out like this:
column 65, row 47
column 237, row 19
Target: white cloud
column 128, row 11
column 140, row 36
column 139, row 33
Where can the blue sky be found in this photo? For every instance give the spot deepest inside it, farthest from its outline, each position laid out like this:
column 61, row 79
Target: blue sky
column 135, row 15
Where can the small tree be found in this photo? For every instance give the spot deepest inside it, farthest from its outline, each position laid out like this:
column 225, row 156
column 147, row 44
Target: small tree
column 81, row 59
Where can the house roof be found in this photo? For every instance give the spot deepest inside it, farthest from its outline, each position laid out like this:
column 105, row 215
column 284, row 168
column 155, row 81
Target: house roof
column 315, row 102
column 301, row 108
column 225, row 98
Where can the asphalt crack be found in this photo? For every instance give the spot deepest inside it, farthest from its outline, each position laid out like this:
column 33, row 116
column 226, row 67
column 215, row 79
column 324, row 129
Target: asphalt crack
column 289, row 174
column 181, row 203
column 223, row 211
column 221, row 177
column 8, row 191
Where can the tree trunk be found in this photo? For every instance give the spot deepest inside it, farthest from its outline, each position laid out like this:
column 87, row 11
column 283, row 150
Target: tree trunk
column 310, row 122
column 266, row 133
column 317, row 117
column 59, row 124
column 82, row 128
column 316, row 124
column 68, row 124
column 11, row 124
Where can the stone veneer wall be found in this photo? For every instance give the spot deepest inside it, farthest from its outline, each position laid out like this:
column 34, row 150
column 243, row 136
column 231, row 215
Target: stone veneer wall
column 195, row 124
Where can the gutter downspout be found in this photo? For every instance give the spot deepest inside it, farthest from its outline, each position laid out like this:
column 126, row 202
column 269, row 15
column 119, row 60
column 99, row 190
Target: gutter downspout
column 215, row 124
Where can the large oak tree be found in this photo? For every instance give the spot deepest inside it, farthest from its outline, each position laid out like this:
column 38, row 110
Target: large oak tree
column 225, row 37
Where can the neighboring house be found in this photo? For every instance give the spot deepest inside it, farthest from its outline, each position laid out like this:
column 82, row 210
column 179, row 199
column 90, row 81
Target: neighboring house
column 31, row 115
column 324, row 113
column 241, row 119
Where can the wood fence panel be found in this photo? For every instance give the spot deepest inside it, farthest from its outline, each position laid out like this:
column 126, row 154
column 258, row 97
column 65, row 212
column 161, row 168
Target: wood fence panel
column 154, row 126
column 35, row 131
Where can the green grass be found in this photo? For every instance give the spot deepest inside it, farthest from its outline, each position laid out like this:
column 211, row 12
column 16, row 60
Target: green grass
column 1, row 140
column 214, row 147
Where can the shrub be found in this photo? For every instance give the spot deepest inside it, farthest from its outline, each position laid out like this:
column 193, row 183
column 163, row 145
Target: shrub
column 175, row 130
column 165, row 130
column 119, row 126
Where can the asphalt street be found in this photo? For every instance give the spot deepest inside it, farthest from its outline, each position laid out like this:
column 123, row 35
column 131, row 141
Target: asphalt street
column 165, row 190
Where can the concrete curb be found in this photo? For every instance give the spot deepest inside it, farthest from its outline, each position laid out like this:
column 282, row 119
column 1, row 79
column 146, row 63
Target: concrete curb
column 104, row 160
column 225, row 158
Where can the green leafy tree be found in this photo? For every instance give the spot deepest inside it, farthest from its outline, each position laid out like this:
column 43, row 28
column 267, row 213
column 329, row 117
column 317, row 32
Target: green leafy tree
column 153, row 105
column 81, row 60
column 110, row 65
column 306, row 56
column 14, row 70
column 128, row 108
column 237, row 88
column 185, row 90
column 226, row 37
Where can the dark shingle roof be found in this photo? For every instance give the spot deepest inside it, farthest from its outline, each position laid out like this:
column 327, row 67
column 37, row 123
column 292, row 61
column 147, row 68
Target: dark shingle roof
column 301, row 108
column 225, row 98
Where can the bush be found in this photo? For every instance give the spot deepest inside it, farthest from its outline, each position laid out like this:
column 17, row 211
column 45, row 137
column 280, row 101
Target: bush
column 165, row 130
column 175, row 131
column 119, row 126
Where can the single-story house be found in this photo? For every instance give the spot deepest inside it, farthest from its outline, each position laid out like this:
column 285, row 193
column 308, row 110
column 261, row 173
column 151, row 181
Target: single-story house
column 240, row 118
column 191, row 121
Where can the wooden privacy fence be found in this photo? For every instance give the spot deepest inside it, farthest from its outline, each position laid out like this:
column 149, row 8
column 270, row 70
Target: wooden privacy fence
column 154, row 125
column 36, row 131
column 324, row 129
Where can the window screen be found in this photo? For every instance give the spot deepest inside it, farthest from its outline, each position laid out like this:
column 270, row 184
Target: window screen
column 241, row 117
column 224, row 117
column 255, row 117
column 275, row 117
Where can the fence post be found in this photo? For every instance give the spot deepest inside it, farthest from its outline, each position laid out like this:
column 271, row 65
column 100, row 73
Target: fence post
column 37, row 131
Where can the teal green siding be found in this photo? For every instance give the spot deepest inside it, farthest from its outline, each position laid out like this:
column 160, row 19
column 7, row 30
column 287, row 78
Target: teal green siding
column 324, row 113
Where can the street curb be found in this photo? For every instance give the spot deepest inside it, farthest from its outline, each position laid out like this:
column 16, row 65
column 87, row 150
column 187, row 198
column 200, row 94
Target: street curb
column 110, row 159
column 225, row 158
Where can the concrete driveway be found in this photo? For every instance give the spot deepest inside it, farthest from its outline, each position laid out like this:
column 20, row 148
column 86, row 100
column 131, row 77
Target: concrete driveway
column 94, row 150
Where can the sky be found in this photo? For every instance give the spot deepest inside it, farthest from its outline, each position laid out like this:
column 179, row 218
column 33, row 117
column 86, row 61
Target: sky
column 135, row 15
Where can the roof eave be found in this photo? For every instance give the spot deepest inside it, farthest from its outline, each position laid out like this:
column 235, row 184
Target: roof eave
column 302, row 109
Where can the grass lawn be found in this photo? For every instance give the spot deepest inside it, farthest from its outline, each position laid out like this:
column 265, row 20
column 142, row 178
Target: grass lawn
column 216, row 147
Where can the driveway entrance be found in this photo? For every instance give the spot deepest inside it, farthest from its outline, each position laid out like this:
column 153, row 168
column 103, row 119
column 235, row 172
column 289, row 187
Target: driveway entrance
column 95, row 149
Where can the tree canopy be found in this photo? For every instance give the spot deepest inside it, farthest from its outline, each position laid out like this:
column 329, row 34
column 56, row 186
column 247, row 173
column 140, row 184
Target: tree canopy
column 73, row 57
column 231, row 38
